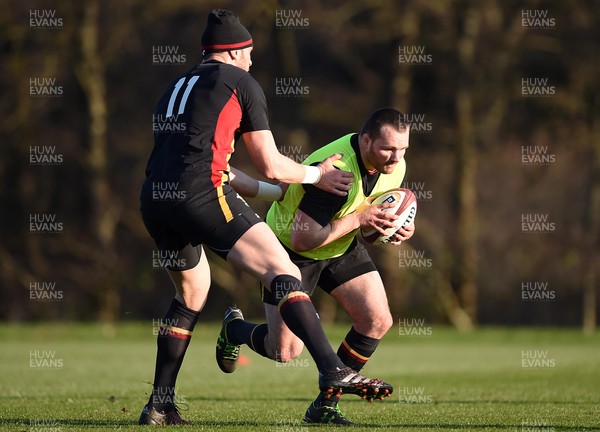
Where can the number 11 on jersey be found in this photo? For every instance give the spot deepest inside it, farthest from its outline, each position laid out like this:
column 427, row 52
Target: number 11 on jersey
column 186, row 94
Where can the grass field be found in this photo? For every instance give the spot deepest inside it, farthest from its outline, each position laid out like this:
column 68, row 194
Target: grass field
column 59, row 377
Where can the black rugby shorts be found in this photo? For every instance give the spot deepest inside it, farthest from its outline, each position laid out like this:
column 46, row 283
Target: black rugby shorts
column 216, row 219
column 327, row 274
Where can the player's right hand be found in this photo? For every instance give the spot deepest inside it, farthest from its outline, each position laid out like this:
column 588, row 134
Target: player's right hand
column 334, row 180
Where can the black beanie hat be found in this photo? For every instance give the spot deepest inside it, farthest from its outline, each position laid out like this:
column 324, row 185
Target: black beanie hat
column 224, row 32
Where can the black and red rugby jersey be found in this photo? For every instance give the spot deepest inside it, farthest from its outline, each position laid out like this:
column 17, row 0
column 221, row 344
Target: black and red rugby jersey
column 196, row 123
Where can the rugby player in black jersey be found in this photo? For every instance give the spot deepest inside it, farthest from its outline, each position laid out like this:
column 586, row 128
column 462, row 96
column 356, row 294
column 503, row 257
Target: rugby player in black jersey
column 200, row 116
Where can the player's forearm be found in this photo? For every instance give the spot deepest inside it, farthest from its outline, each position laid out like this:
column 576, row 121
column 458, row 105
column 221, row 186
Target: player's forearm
column 282, row 168
column 306, row 236
column 250, row 187
column 242, row 183
column 272, row 164
column 340, row 227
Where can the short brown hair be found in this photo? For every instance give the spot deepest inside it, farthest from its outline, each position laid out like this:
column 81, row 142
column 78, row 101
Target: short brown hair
column 384, row 117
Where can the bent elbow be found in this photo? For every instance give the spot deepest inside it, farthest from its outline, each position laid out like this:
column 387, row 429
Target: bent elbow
column 270, row 172
column 269, row 169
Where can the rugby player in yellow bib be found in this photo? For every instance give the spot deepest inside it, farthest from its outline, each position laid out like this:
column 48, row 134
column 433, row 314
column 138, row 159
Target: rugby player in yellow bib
column 318, row 230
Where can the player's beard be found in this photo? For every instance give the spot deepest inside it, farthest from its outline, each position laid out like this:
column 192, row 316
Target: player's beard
column 373, row 162
column 386, row 167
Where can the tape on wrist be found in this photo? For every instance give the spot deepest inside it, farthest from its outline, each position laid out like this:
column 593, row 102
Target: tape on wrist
column 312, row 176
column 268, row 192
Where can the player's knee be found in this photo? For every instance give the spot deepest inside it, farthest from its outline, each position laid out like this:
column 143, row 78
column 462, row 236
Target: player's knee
column 384, row 323
column 387, row 322
column 376, row 326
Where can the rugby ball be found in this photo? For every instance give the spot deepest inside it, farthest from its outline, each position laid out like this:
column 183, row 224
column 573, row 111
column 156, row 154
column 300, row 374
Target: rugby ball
column 404, row 205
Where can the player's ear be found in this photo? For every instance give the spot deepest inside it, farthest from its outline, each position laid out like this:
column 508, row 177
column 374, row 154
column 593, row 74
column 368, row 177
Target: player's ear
column 366, row 139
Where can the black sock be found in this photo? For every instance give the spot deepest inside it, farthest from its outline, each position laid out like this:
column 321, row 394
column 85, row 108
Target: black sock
column 299, row 314
column 354, row 351
column 173, row 339
column 242, row 332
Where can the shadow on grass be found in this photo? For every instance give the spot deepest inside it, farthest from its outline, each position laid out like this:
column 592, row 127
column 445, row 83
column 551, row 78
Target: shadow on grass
column 392, row 400
column 517, row 402
column 291, row 426
column 473, row 426
column 55, row 424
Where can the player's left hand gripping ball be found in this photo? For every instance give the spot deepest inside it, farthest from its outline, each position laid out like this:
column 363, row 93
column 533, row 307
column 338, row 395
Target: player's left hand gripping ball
column 404, row 205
